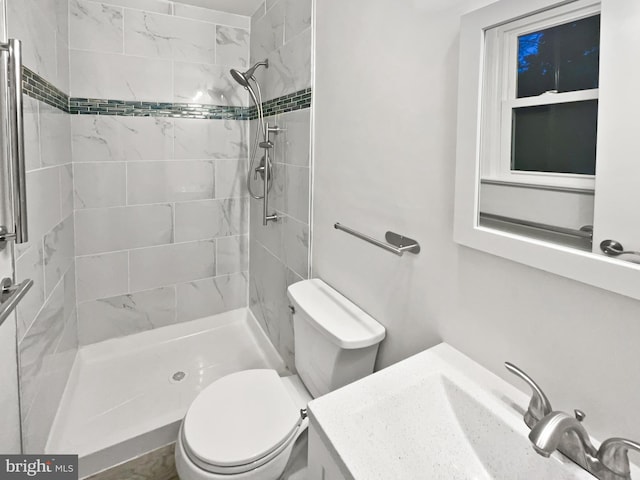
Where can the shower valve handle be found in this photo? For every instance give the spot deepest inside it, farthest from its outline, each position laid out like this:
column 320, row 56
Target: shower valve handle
column 258, row 170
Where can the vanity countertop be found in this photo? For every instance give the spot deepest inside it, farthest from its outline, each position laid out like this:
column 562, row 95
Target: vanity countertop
column 437, row 414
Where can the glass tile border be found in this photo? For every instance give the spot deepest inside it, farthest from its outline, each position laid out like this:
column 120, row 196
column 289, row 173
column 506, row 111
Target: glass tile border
column 287, row 103
column 97, row 106
column 38, row 88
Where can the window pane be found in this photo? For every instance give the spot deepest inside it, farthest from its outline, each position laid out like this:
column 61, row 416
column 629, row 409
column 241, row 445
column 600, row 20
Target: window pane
column 557, row 138
column 565, row 58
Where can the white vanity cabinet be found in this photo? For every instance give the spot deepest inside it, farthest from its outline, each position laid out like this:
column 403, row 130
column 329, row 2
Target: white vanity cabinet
column 322, row 465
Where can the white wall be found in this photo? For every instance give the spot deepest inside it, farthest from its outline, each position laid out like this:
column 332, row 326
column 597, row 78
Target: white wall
column 385, row 102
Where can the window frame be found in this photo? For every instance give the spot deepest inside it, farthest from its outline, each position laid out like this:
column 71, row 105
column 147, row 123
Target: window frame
column 499, row 97
column 594, row 269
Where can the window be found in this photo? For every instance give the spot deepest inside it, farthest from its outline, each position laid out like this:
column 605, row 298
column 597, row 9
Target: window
column 540, row 90
column 490, row 38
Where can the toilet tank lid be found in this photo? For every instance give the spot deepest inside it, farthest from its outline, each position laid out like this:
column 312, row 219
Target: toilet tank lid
column 335, row 316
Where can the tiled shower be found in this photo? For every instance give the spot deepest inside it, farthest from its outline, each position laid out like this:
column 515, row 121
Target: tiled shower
column 280, row 251
column 161, row 215
column 137, row 150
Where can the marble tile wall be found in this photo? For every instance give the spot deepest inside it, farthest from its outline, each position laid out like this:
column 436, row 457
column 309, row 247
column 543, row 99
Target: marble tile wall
column 142, row 50
column 161, row 208
column 43, row 28
column 281, row 31
column 46, row 327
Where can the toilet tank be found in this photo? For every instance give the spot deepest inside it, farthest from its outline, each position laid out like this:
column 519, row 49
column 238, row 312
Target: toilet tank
column 336, row 342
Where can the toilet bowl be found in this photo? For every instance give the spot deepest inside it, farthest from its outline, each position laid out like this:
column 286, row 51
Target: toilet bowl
column 244, row 425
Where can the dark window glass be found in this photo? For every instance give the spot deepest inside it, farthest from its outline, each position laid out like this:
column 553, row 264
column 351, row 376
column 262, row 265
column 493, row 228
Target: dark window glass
column 557, row 138
column 565, row 58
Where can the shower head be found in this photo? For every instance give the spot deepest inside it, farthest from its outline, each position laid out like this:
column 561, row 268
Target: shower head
column 240, row 78
column 243, row 77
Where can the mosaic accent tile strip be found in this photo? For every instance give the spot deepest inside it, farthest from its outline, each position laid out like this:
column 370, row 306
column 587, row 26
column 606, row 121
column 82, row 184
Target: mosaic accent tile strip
column 287, row 103
column 96, row 106
column 37, row 87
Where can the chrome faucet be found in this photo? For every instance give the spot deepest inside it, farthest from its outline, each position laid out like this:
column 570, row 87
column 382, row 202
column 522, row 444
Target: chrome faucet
column 539, row 406
column 562, row 432
column 613, row 455
column 554, row 430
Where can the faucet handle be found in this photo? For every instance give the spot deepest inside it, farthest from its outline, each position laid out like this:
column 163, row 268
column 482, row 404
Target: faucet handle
column 613, row 454
column 539, row 406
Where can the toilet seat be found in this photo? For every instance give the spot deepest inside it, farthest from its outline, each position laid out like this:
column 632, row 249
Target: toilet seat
column 240, row 422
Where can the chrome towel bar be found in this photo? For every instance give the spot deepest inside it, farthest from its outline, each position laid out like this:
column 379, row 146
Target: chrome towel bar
column 396, row 243
column 10, row 296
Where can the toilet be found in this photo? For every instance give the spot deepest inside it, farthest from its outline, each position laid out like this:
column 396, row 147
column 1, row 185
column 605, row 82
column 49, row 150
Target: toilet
column 244, row 425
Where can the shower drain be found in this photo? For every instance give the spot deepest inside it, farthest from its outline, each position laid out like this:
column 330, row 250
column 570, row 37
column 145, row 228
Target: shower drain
column 177, row 377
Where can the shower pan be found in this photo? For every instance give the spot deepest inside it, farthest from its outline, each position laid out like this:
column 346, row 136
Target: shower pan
column 265, row 167
column 127, row 396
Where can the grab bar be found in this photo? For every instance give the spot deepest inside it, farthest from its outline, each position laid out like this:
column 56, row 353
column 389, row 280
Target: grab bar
column 584, row 232
column 397, row 243
column 10, row 296
column 16, row 142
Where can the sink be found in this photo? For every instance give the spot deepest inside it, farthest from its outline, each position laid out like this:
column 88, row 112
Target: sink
column 466, row 436
column 437, row 415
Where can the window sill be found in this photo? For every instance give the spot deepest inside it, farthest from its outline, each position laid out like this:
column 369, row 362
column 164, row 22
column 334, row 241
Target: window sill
column 537, row 186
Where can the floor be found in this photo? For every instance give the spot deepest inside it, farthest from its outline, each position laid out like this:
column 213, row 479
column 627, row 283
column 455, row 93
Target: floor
column 160, row 465
column 156, row 465
column 126, row 396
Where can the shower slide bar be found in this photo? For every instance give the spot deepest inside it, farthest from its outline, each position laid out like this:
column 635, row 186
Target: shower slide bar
column 585, row 232
column 396, row 243
column 10, row 296
column 11, row 89
column 268, row 172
